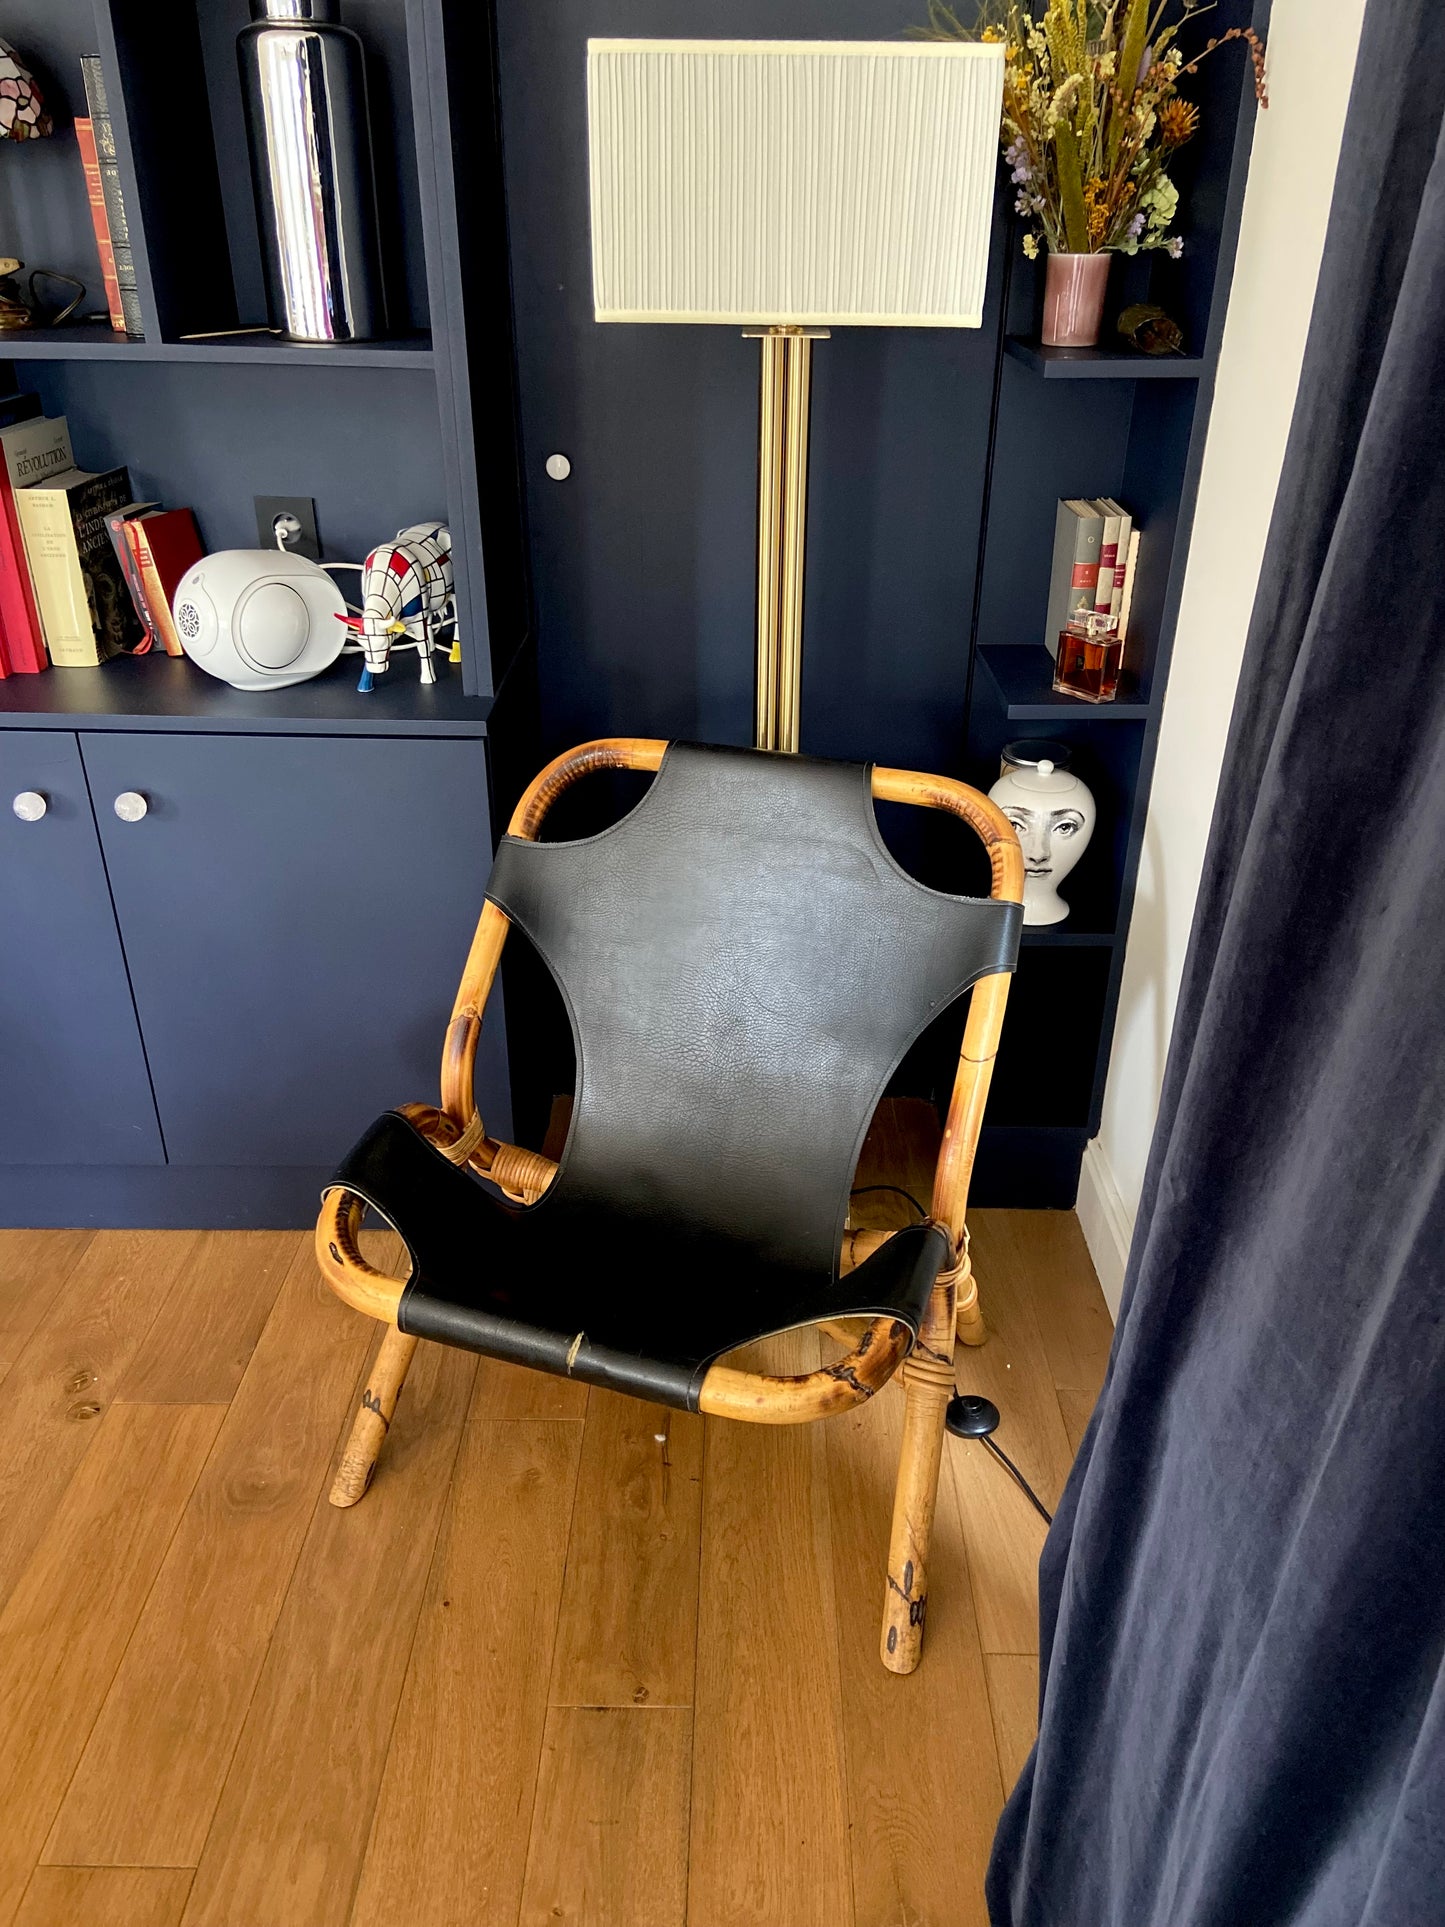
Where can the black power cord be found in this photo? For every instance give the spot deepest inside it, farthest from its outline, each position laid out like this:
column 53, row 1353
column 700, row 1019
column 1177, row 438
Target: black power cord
column 972, row 1417
column 863, row 1191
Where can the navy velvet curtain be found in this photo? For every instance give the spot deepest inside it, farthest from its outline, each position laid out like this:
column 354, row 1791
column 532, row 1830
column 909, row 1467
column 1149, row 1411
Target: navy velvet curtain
column 1243, row 1596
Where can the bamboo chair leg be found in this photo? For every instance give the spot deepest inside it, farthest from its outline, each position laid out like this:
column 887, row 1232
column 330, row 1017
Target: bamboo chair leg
column 928, row 1385
column 373, row 1418
column 969, row 1314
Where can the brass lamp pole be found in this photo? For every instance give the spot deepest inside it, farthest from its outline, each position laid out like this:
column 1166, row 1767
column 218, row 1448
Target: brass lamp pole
column 783, row 411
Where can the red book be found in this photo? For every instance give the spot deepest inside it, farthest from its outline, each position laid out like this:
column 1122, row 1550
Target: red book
column 99, row 219
column 29, row 450
column 165, row 546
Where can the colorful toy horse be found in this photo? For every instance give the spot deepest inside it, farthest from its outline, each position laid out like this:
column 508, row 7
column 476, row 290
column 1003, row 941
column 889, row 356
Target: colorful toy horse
column 406, row 590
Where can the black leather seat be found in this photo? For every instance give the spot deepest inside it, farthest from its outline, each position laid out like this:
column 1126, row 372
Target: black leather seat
column 744, row 966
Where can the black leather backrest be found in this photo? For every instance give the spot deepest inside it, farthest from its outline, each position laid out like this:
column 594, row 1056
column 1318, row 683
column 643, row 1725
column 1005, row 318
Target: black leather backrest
column 744, row 965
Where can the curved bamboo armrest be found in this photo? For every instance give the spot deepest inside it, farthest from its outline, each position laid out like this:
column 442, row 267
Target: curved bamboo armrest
column 338, row 1253
column 769, row 1399
column 522, row 1175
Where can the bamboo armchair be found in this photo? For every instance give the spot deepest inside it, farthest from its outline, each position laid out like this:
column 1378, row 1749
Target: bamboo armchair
column 744, row 966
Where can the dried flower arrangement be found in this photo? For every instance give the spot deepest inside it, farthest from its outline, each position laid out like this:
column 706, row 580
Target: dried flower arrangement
column 1091, row 114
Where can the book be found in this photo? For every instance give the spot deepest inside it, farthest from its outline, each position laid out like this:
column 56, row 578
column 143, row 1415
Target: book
column 13, row 408
column 130, row 568
column 117, row 228
column 1113, row 553
column 1126, row 597
column 1074, row 573
column 29, row 450
column 165, row 545
column 99, row 220
column 84, row 606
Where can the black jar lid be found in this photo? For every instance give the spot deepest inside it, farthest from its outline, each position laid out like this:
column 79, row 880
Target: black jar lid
column 1029, row 751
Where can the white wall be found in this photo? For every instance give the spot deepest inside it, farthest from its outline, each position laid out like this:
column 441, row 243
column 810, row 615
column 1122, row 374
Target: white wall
column 1312, row 47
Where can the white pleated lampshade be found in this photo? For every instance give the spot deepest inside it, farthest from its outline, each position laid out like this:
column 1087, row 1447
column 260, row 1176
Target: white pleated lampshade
column 792, row 182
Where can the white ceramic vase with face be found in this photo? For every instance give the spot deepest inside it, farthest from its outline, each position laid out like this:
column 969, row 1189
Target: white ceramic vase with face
column 1054, row 815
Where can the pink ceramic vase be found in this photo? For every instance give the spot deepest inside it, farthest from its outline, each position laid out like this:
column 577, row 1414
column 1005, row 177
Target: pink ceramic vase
column 1074, row 287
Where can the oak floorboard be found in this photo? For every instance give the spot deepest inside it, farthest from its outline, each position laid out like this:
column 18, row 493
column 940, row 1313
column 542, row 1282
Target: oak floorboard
column 1013, row 1692
column 66, row 1375
column 286, row 1845
column 33, row 1267
column 1003, row 1533
column 920, row 1827
column 73, row 1607
column 609, row 1833
column 209, row 1325
column 105, row 1897
column 399, row 1758
column 627, row 1629
column 454, row 1811
column 769, row 1836
column 1044, row 1252
column 151, row 1774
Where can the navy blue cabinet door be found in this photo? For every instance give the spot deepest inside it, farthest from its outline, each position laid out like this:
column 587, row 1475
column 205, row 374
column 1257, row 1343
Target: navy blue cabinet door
column 295, row 913
column 73, row 1084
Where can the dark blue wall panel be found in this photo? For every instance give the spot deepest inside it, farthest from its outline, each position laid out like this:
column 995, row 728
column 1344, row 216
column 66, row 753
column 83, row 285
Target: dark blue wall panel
column 363, row 446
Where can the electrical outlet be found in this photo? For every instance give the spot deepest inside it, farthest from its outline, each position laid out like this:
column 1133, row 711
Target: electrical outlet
column 269, row 507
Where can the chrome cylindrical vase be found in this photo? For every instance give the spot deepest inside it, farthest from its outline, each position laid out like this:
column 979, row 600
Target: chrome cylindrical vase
column 303, row 76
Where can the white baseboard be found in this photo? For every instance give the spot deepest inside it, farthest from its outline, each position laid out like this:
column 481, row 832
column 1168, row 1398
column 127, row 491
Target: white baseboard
column 1106, row 1221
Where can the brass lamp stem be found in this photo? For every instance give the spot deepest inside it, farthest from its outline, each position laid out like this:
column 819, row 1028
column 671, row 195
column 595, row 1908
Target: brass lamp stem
column 787, row 368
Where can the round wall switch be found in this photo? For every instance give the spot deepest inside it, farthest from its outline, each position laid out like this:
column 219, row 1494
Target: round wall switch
column 558, row 467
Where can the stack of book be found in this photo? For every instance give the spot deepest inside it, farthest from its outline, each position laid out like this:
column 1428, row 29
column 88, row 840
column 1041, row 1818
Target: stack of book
column 86, row 573
column 1096, row 549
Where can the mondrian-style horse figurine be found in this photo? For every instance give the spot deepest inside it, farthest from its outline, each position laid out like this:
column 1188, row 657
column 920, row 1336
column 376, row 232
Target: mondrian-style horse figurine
column 406, row 590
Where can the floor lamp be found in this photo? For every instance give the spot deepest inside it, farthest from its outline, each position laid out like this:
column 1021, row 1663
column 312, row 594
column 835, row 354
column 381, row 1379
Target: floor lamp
column 788, row 187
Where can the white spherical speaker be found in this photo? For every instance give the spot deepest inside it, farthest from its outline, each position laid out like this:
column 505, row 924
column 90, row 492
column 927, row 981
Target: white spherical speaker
column 259, row 618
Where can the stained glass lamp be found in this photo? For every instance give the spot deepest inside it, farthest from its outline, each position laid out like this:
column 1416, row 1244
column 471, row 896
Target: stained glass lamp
column 23, row 117
column 22, row 109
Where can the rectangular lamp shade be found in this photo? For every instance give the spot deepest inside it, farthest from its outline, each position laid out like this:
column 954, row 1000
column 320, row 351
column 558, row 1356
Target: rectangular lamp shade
column 792, row 182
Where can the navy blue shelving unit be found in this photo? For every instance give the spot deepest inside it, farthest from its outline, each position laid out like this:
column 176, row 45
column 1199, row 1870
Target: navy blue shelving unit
column 203, row 1007
column 1091, row 422
column 380, row 433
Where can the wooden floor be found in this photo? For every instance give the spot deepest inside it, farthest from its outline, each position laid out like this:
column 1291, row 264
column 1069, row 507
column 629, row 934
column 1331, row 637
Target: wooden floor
column 574, row 1659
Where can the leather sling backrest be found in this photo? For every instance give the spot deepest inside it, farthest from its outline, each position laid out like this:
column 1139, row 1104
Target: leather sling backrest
column 744, row 966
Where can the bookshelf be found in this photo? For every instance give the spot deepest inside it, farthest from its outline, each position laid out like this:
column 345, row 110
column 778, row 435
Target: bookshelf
column 378, row 433
column 1094, row 422
column 220, row 994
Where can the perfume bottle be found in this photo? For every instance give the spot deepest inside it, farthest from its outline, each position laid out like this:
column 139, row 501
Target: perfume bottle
column 1090, row 651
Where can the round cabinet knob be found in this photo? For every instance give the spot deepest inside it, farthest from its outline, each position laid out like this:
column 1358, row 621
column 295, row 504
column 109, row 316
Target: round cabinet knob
column 131, row 806
column 30, row 806
column 558, row 467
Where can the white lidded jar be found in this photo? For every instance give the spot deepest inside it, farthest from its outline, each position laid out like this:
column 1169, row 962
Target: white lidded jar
column 1054, row 815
